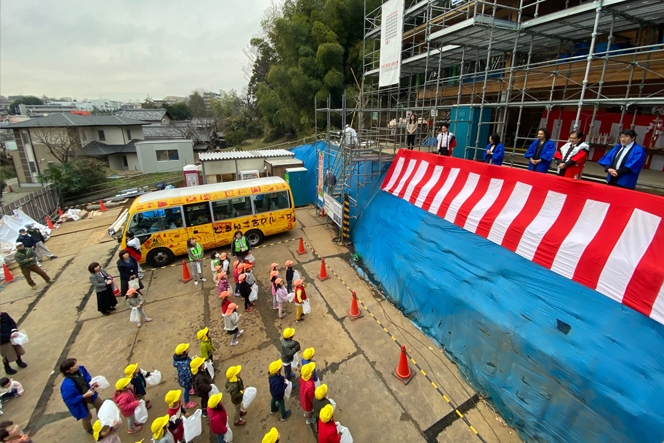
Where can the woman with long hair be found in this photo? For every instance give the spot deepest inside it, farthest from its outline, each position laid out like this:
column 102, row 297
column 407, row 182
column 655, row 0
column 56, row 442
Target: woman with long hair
column 103, row 284
column 411, row 131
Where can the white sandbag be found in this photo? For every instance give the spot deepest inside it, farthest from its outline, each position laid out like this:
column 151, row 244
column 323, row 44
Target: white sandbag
column 109, row 413
column 288, row 391
column 141, row 412
column 296, row 361
column 228, row 436
column 291, row 297
column 100, row 381
column 214, row 390
column 345, row 434
column 208, row 366
column 249, row 258
column 254, row 293
column 20, row 339
column 134, row 315
column 154, row 379
column 193, row 426
column 306, row 307
column 248, row 397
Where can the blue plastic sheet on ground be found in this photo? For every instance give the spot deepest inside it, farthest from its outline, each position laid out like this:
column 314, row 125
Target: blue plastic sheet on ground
column 561, row 362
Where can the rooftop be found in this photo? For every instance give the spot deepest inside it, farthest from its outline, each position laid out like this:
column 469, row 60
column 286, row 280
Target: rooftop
column 147, row 115
column 75, row 120
column 97, row 149
column 239, row 155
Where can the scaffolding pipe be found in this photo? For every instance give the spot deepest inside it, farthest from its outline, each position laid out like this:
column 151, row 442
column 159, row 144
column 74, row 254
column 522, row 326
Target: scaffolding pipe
column 508, row 94
column 591, row 56
column 486, row 77
column 523, row 98
column 591, row 129
column 629, row 82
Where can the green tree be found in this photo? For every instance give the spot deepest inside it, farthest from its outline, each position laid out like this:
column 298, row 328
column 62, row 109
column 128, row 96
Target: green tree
column 237, row 116
column 197, row 105
column 179, row 111
column 27, row 100
column 75, row 178
column 148, row 103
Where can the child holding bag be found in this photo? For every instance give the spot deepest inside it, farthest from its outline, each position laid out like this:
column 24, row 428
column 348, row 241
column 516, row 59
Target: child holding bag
column 222, row 282
column 225, row 302
column 300, row 297
column 175, row 412
column 126, row 400
column 135, row 300
column 281, row 296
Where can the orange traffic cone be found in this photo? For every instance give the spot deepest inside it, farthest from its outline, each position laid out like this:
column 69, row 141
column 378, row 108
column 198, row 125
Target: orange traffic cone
column 8, row 275
column 186, row 276
column 102, row 208
column 49, row 223
column 323, row 272
column 403, row 372
column 300, row 249
column 60, row 211
column 354, row 312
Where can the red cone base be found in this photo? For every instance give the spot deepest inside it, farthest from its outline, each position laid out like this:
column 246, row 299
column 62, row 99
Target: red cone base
column 300, row 249
column 403, row 372
column 323, row 271
column 354, row 312
column 186, row 276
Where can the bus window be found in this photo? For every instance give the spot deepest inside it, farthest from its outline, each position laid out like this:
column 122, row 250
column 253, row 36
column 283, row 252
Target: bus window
column 197, row 214
column 273, row 201
column 242, row 206
column 155, row 221
column 222, row 209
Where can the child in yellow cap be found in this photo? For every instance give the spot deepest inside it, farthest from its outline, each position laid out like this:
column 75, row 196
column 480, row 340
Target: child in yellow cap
column 320, row 400
column 272, row 436
column 160, row 432
column 138, row 381
column 175, row 412
column 307, row 389
column 207, row 349
column 181, row 361
column 218, row 418
column 289, row 348
column 235, row 387
column 327, row 428
column 127, row 402
column 308, row 357
column 201, row 381
column 278, row 385
column 104, row 434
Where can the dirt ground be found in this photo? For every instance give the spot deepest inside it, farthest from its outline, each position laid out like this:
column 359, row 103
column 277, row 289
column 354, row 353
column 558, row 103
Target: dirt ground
column 355, row 359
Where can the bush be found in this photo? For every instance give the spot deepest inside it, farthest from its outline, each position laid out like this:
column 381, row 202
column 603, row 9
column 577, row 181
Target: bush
column 75, row 178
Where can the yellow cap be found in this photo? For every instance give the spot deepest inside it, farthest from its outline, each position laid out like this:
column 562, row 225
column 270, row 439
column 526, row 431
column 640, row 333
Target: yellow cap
column 308, row 371
column 308, row 353
column 326, row 413
column 158, row 426
column 129, row 370
column 232, row 372
column 214, row 400
column 96, row 429
column 271, row 437
column 275, row 366
column 172, row 397
column 195, row 364
column 200, row 335
column 122, row 383
column 289, row 332
column 179, row 349
column 320, row 392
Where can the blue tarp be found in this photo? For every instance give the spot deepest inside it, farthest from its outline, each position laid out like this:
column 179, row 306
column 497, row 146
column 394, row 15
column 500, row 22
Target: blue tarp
column 561, row 362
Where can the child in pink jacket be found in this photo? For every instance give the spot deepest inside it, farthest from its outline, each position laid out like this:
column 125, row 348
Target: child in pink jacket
column 127, row 402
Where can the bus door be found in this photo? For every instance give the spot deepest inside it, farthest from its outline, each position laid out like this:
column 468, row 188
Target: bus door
column 199, row 223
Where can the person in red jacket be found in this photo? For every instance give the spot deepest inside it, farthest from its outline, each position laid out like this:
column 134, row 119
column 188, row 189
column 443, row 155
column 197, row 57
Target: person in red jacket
column 218, row 418
column 327, row 428
column 177, row 413
column 572, row 156
column 126, row 400
column 225, row 302
column 307, row 390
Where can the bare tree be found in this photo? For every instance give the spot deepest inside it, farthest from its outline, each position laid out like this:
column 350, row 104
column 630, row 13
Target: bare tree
column 61, row 142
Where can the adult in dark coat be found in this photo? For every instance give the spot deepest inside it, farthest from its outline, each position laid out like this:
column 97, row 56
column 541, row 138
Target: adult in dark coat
column 128, row 269
column 9, row 351
column 103, row 285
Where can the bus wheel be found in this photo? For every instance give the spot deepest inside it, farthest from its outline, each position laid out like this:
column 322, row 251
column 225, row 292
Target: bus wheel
column 254, row 237
column 160, row 257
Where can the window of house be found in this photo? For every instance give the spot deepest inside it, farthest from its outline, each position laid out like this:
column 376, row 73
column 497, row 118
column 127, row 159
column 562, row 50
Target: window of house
column 128, row 134
column 102, row 136
column 272, row 201
column 165, row 155
column 197, row 214
column 155, row 221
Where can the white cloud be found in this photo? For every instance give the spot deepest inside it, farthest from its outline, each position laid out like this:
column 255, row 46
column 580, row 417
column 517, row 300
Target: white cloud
column 124, row 49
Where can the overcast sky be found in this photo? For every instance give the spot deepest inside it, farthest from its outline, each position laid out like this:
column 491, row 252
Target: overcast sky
column 124, row 49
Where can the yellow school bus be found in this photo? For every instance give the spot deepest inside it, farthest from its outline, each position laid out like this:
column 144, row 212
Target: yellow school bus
column 164, row 220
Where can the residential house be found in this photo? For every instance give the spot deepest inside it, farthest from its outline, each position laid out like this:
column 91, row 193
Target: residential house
column 152, row 116
column 44, row 140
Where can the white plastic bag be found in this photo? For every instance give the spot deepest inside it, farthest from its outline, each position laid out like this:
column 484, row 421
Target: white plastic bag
column 296, row 275
column 135, row 284
column 134, row 315
column 214, row 390
column 154, row 379
column 101, row 382
column 108, row 413
column 345, row 434
column 254, row 293
column 291, row 297
column 141, row 412
column 20, row 339
column 333, row 403
column 192, row 426
column 306, row 307
column 317, row 383
column 228, row 436
column 208, row 366
column 248, row 397
column 296, row 361
column 249, row 258
column 289, row 389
